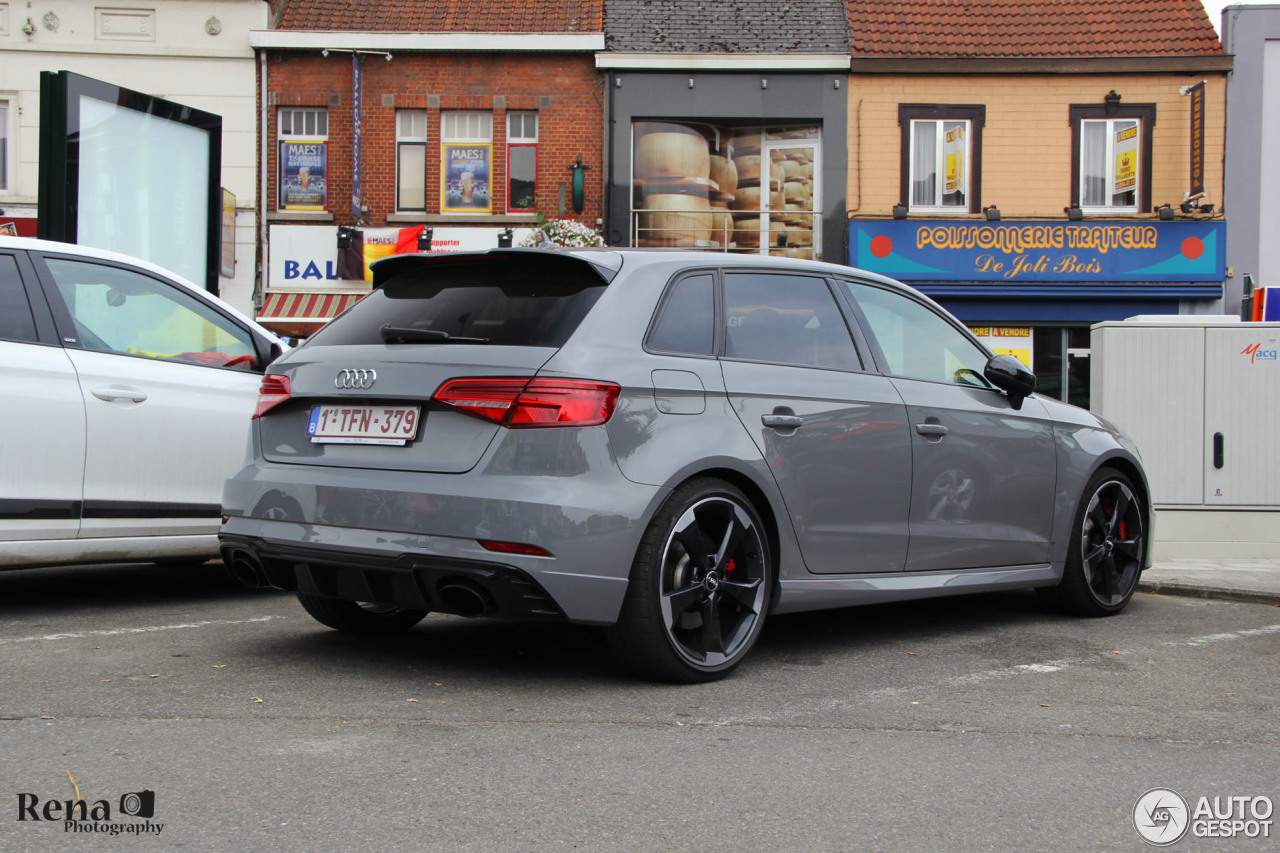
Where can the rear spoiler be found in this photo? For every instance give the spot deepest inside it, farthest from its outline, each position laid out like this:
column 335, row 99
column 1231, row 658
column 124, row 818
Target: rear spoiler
column 603, row 262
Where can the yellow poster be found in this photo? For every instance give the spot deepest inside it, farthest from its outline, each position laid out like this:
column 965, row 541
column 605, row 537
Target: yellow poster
column 1126, row 159
column 954, row 149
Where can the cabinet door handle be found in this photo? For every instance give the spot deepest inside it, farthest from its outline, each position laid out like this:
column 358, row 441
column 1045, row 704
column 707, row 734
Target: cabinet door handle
column 1219, row 451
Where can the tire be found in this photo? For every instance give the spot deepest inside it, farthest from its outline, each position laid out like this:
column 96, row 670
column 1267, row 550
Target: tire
column 700, row 586
column 356, row 617
column 1107, row 550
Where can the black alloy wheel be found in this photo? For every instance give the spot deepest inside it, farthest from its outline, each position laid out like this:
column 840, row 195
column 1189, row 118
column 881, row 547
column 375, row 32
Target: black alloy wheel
column 1108, row 550
column 700, row 586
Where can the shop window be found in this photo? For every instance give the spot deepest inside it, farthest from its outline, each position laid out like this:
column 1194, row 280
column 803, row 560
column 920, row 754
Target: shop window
column 699, row 185
column 522, row 162
column 303, row 158
column 411, row 160
column 941, row 157
column 466, row 142
column 1111, row 157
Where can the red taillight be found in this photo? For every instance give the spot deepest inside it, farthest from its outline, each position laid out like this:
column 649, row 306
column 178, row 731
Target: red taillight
column 513, row 548
column 273, row 391
column 523, row 403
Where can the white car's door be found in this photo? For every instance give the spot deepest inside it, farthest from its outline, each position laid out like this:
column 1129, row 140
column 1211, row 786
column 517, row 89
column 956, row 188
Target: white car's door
column 169, row 384
column 42, row 432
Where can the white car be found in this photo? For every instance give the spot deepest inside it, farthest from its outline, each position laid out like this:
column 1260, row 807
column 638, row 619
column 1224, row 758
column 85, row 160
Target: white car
column 128, row 404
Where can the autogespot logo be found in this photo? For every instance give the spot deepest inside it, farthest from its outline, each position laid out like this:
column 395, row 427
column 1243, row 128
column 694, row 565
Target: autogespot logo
column 1161, row 817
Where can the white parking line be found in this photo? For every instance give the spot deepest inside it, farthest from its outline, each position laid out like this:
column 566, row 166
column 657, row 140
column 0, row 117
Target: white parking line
column 975, row 678
column 1233, row 635
column 150, row 629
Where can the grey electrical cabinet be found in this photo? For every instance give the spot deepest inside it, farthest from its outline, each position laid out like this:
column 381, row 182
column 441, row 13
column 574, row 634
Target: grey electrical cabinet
column 1201, row 397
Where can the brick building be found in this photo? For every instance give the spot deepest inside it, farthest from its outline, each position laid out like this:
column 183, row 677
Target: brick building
column 1093, row 132
column 460, row 117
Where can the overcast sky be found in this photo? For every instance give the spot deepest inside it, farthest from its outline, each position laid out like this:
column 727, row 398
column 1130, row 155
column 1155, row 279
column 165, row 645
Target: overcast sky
column 1214, row 8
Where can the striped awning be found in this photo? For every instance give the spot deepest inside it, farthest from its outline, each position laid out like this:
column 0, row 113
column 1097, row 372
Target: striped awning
column 298, row 313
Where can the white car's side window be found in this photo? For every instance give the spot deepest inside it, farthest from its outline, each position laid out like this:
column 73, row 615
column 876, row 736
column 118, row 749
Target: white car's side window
column 16, row 322
column 121, row 311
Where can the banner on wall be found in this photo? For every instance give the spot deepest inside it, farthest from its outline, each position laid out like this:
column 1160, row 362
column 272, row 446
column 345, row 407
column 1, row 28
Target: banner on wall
column 939, row 250
column 303, row 168
column 1197, row 138
column 301, row 256
column 466, row 178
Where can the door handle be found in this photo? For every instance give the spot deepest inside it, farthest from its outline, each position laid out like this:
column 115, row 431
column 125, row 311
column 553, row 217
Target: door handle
column 112, row 393
column 932, row 430
column 782, row 421
column 1219, row 450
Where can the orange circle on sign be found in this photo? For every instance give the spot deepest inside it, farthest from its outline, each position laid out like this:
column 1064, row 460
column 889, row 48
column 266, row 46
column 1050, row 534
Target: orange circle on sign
column 881, row 246
column 1192, row 248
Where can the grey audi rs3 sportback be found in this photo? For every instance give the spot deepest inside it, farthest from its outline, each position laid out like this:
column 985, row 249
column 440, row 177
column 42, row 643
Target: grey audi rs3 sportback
column 673, row 445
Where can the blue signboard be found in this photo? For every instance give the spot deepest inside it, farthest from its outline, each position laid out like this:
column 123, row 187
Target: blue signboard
column 1013, row 252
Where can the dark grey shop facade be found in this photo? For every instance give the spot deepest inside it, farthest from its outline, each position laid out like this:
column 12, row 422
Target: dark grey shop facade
column 746, row 160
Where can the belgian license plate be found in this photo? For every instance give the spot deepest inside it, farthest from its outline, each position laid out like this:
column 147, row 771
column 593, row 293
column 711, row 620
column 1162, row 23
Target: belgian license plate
column 346, row 424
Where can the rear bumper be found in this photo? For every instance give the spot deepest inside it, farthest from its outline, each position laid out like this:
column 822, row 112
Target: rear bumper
column 401, row 537
column 415, row 581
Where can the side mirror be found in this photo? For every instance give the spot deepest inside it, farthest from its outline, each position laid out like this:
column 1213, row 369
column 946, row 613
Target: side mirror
column 1011, row 376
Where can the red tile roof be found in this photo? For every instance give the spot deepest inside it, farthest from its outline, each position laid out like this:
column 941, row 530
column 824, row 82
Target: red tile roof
column 1021, row 29
column 444, row 16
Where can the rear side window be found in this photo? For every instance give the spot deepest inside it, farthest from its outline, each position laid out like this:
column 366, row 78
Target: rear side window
column 500, row 302
column 786, row 319
column 686, row 323
column 16, row 322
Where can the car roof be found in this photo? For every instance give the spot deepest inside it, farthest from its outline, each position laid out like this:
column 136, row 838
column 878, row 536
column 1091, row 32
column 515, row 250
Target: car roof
column 609, row 261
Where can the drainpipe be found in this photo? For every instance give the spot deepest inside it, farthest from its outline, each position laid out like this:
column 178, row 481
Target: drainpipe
column 260, row 284
column 608, row 154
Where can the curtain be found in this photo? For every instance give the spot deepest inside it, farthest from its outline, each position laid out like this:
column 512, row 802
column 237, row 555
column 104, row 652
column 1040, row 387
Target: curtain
column 924, row 163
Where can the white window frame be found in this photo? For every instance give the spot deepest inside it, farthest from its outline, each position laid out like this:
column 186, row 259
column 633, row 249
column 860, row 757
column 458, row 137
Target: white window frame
column 408, row 138
column 466, row 126
column 1110, row 155
column 940, row 167
column 9, row 144
column 319, row 126
column 521, row 138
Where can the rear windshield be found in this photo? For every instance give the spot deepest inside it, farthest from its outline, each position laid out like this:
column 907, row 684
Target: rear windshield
column 500, row 302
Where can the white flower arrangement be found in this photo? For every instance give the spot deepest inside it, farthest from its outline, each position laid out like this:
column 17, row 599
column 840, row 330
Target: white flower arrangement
column 563, row 232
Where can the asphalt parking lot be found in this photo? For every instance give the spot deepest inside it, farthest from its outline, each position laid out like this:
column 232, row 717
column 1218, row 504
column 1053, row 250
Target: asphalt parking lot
column 961, row 724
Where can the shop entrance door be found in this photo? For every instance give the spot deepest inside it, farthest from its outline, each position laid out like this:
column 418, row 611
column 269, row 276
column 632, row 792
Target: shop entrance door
column 794, row 203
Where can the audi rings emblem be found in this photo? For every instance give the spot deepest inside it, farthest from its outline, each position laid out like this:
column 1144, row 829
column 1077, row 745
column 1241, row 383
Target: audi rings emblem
column 355, row 379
